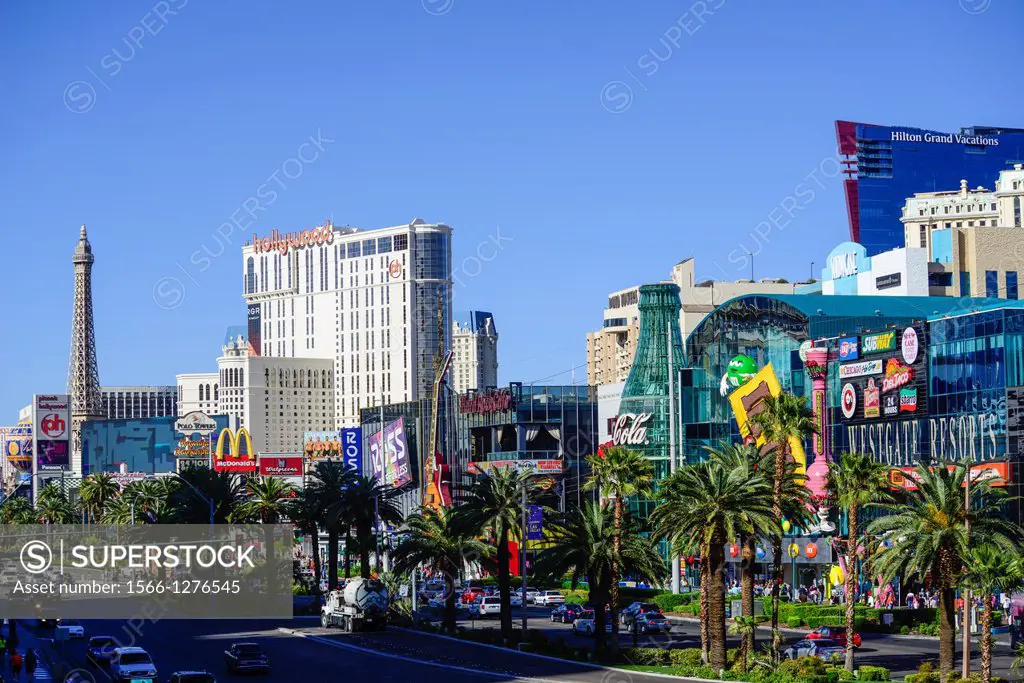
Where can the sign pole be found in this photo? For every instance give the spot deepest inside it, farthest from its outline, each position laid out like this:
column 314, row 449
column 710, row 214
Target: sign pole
column 522, row 563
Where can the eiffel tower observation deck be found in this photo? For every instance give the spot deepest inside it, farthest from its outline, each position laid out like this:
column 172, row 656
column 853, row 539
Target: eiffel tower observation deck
column 83, row 370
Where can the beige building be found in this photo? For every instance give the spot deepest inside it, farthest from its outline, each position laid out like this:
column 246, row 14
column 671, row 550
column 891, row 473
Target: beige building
column 974, row 238
column 610, row 350
column 475, row 351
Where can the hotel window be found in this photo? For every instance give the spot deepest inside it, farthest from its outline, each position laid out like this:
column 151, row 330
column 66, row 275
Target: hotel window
column 383, row 245
column 992, row 283
column 1016, row 212
column 353, row 249
column 965, row 283
column 369, row 247
column 970, row 224
column 993, row 207
column 924, row 236
column 1011, row 284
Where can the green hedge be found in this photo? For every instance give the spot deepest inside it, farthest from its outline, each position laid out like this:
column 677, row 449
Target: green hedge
column 650, row 656
column 873, row 673
column 794, row 621
column 689, row 656
column 670, row 602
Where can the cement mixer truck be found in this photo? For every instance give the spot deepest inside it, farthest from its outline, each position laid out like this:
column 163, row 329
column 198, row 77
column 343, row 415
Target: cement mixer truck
column 361, row 605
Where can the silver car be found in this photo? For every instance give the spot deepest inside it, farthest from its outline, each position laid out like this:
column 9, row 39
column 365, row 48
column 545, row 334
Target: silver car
column 821, row 648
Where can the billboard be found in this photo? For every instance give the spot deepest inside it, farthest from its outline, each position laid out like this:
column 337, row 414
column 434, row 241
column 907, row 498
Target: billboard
column 321, row 445
column 352, row 445
column 281, row 465
column 188, row 447
column 255, row 329
column 234, row 452
column 892, row 386
column 195, row 422
column 17, row 446
column 534, row 466
column 389, row 455
column 748, row 400
column 51, row 432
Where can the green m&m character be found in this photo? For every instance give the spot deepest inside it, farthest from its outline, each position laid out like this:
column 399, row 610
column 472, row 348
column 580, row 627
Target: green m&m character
column 741, row 370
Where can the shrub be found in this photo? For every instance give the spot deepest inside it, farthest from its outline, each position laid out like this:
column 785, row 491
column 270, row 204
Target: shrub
column 827, row 620
column 922, row 678
column 845, row 675
column 670, row 602
column 689, row 656
column 905, row 630
column 578, row 597
column 648, row 656
column 794, row 621
column 873, row 673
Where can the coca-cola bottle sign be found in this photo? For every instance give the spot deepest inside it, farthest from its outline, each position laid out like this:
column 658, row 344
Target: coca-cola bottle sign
column 630, row 429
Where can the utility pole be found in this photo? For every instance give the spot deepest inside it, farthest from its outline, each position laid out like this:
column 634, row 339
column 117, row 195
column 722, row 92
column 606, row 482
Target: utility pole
column 672, row 439
column 966, row 619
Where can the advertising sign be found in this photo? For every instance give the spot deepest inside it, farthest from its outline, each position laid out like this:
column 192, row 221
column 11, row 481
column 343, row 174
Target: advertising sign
column 995, row 473
column 321, row 445
column 879, row 342
column 281, row 465
column 51, row 432
column 748, row 401
column 183, row 464
column 491, row 402
column 535, row 523
column 234, row 452
column 193, row 448
column 352, row 447
column 196, row 422
column 389, row 455
column 254, row 331
column 896, row 375
column 868, row 367
column 848, row 400
column 890, row 405
column 1015, row 421
column 17, row 446
column 871, row 400
column 909, row 345
column 849, row 349
column 630, row 430
column 535, row 466
column 888, row 281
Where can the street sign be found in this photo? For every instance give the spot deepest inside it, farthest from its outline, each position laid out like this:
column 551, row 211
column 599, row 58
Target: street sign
column 535, row 523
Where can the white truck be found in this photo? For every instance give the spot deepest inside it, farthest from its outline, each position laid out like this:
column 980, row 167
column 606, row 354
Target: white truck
column 361, row 605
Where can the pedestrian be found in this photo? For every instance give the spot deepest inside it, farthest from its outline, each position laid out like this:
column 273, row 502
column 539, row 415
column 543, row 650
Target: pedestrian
column 15, row 664
column 31, row 660
column 3, row 648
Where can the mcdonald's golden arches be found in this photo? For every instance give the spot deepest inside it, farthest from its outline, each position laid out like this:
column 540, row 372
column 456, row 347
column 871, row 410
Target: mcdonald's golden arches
column 234, row 452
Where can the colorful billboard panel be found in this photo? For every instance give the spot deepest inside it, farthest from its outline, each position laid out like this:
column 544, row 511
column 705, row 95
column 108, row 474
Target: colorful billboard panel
column 748, row 401
column 234, row 452
column 352, row 445
column 321, row 445
column 389, row 455
column 52, row 456
column 51, row 432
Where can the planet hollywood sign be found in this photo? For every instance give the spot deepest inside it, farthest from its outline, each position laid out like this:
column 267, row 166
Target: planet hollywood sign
column 279, row 242
column 493, row 402
column 630, row 429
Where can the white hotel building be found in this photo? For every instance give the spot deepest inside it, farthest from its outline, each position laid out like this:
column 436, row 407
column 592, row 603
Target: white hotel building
column 366, row 301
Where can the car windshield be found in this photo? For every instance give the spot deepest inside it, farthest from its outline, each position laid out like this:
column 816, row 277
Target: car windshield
column 136, row 658
column 248, row 650
column 101, row 642
column 492, row 601
column 552, row 592
column 824, row 642
column 589, row 614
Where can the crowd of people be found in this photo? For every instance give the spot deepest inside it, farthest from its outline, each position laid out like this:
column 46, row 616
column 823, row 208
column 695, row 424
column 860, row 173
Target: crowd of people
column 17, row 662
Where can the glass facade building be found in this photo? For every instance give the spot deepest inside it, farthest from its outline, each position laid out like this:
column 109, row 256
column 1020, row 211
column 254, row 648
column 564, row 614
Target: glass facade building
column 887, row 164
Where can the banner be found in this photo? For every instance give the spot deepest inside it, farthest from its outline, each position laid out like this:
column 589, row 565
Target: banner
column 535, row 523
column 321, row 445
column 255, row 329
column 281, row 465
column 536, row 466
column 51, row 431
column 352, row 445
column 234, row 452
column 389, row 455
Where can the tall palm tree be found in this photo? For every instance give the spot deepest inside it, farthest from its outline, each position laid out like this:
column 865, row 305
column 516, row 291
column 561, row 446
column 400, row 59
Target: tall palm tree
column 928, row 536
column 492, row 505
column 18, row 510
column 363, row 503
column 96, row 490
column 53, row 506
column 713, row 503
column 304, row 513
column 150, row 499
column 784, row 418
column 619, row 473
column 582, row 543
column 269, row 500
column 854, row 481
column 796, row 499
column 990, row 568
column 433, row 541
column 330, row 479
column 223, row 488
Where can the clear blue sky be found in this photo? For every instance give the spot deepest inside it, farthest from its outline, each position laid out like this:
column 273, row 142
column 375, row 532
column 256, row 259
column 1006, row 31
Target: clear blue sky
column 484, row 114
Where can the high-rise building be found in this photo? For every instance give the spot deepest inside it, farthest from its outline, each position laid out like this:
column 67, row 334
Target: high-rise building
column 475, row 347
column 83, row 371
column 887, row 164
column 367, row 300
column 610, row 350
column 131, row 403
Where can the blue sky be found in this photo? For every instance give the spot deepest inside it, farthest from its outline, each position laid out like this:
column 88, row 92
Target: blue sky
column 491, row 116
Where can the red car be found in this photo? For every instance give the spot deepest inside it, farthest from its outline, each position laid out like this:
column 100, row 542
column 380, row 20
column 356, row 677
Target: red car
column 836, row 633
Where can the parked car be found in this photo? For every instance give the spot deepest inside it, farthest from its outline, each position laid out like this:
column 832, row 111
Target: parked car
column 585, row 623
column 130, row 664
column 652, row 622
column 820, row 648
column 836, row 633
column 99, row 650
column 549, row 598
column 531, row 595
column 472, row 594
column 490, row 605
column 515, row 599
column 627, row 615
column 72, row 627
column 566, row 613
column 192, row 677
column 246, row 657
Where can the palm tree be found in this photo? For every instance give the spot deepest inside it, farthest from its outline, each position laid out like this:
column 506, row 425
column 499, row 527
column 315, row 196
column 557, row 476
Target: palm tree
column 712, row 503
column 223, row 488
column 745, row 627
column 928, row 536
column 269, row 500
column 855, row 481
column 784, row 418
column 619, row 473
column 363, row 503
column 433, row 541
column 582, row 544
column 990, row 568
column 329, row 480
column 150, row 499
column 795, row 504
column 304, row 513
column 53, row 506
column 96, row 490
column 18, row 510
column 491, row 505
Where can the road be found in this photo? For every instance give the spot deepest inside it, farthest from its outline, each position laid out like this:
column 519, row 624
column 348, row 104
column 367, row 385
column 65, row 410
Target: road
column 301, row 650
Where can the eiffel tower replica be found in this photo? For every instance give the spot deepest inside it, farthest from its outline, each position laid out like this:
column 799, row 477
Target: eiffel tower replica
column 83, row 371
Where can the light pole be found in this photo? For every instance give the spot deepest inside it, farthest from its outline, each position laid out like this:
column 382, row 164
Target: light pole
column 966, row 619
column 522, row 562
